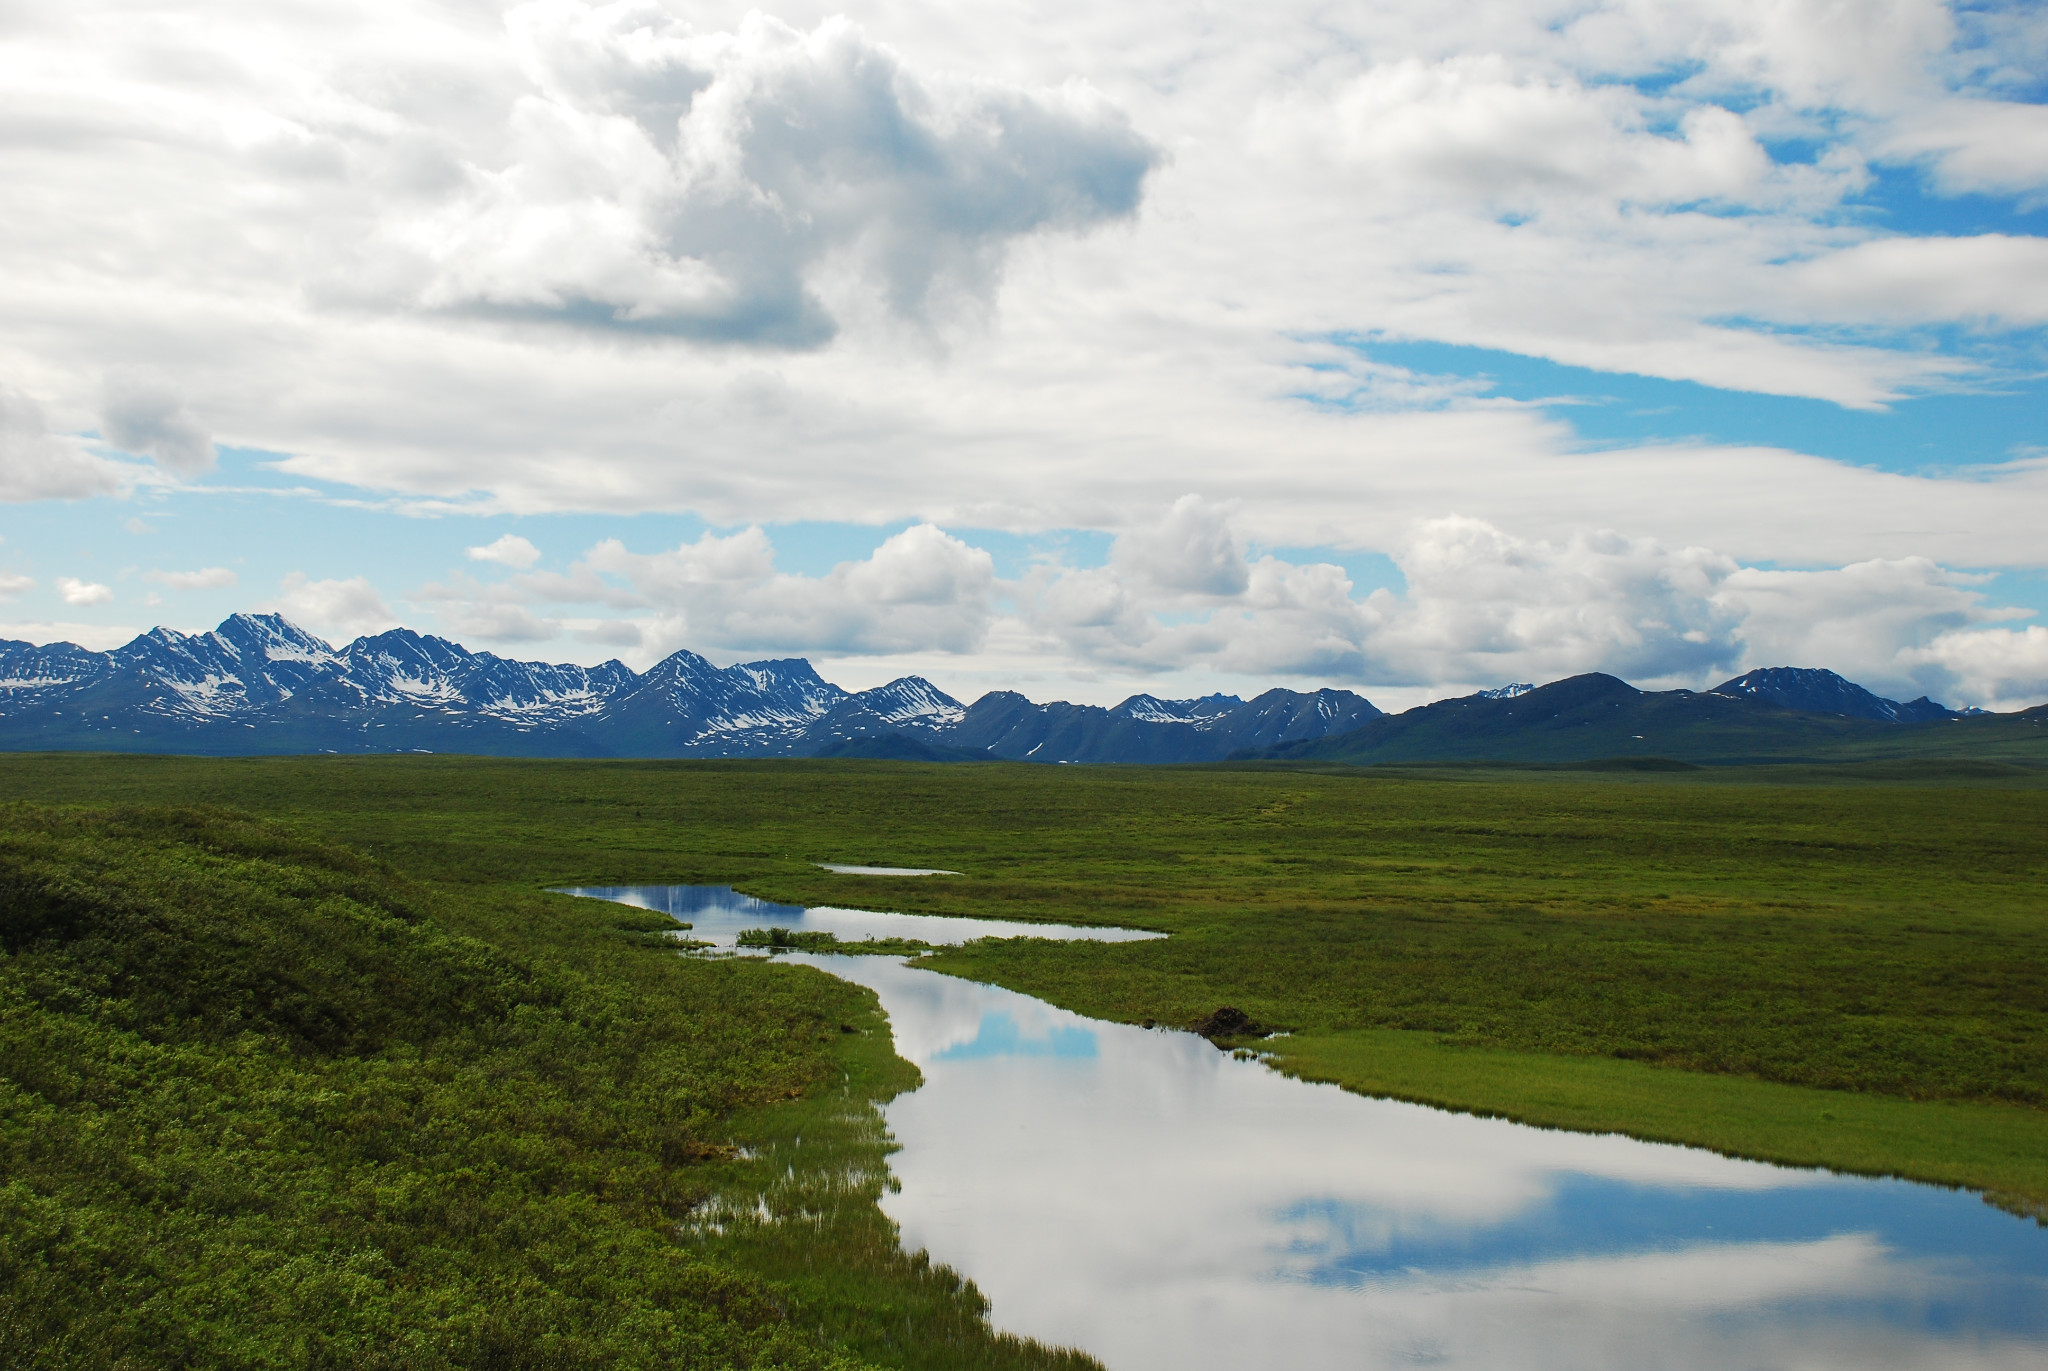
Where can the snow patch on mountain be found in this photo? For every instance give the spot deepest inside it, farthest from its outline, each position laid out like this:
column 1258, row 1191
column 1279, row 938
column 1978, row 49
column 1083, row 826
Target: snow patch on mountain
column 1201, row 713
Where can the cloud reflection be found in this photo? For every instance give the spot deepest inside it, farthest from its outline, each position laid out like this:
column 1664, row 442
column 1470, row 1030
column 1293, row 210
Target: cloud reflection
column 999, row 1036
column 1162, row 1204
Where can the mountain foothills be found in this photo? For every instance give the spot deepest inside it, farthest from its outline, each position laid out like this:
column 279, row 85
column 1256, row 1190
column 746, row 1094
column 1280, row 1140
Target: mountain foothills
column 261, row 684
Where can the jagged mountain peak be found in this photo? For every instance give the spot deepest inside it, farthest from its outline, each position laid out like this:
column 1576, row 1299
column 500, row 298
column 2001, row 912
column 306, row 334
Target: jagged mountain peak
column 274, row 637
column 1152, row 709
column 259, row 683
column 781, row 671
column 682, row 665
column 1506, row 692
column 913, row 695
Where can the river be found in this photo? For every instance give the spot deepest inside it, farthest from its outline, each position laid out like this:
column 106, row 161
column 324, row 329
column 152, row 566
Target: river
column 1160, row 1204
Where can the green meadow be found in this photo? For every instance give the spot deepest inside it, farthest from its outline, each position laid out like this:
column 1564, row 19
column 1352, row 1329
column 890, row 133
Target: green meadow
column 322, row 1042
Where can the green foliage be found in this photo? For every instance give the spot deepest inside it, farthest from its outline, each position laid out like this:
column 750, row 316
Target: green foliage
column 1880, row 929
column 263, row 1104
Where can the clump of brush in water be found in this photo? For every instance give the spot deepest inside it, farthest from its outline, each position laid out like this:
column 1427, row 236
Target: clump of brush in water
column 1229, row 1022
column 819, row 940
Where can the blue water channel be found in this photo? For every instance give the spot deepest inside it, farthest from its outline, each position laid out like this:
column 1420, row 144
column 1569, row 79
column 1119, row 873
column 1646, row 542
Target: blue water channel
column 1160, row 1204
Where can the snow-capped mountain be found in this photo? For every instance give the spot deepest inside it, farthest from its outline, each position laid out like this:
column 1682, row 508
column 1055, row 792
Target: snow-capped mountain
column 260, row 684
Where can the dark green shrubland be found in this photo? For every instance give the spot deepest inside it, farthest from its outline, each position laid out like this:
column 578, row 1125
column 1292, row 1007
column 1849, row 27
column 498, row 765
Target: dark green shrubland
column 264, row 1102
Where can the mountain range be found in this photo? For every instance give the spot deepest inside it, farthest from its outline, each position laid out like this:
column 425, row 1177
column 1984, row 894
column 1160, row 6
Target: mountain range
column 1773, row 715
column 261, row 684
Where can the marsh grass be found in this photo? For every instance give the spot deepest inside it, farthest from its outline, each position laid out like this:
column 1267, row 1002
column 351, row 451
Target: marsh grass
column 1877, row 931
column 799, row 1203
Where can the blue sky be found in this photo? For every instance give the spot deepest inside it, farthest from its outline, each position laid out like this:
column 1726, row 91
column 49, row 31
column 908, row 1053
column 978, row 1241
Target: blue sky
column 1074, row 351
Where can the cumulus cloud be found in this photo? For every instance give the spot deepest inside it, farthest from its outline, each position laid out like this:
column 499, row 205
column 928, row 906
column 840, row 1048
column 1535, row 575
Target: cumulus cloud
column 345, row 211
column 1995, row 668
column 36, row 464
column 1476, row 128
column 1191, row 551
column 77, row 592
column 12, row 585
column 1480, row 605
column 1483, row 606
column 921, row 590
column 337, row 609
column 206, row 578
column 510, row 550
column 1853, row 619
column 148, row 418
column 671, row 181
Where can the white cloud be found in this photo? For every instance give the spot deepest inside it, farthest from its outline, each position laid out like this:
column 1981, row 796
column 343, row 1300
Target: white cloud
column 1991, row 278
column 1476, row 128
column 510, row 550
column 702, row 184
column 338, row 609
column 92, row 637
column 1482, row 606
column 77, row 592
column 1995, row 668
column 36, row 464
column 560, row 266
column 206, row 578
column 497, row 623
column 12, row 585
column 922, row 589
column 1989, row 147
column 1191, row 551
column 144, row 416
column 1853, row 619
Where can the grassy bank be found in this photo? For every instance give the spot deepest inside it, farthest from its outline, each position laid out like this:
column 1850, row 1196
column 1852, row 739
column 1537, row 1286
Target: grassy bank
column 1851, row 938
column 1995, row 1148
column 268, row 1102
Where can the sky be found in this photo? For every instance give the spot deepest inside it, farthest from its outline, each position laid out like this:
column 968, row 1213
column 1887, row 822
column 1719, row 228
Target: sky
column 1074, row 349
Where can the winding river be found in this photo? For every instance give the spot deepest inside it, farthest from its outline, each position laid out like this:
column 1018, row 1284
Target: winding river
column 1160, row 1204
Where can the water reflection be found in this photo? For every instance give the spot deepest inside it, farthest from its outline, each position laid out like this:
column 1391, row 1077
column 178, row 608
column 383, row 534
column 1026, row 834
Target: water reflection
column 1161, row 1204
column 717, row 915
column 999, row 1036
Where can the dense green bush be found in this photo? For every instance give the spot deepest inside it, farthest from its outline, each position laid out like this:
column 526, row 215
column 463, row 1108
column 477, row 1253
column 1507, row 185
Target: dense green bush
column 258, row 1107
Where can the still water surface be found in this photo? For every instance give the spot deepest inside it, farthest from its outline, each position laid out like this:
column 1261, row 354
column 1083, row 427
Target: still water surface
column 1139, row 1194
